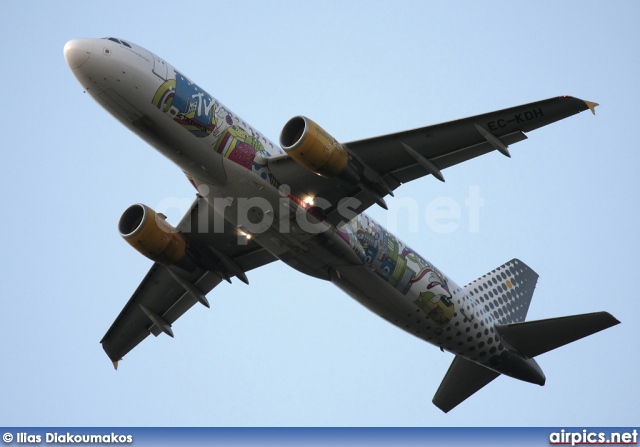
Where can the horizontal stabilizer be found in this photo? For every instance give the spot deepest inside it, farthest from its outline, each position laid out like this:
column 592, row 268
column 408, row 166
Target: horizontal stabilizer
column 463, row 379
column 533, row 338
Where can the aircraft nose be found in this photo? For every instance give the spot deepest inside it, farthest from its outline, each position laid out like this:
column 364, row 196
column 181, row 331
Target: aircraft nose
column 77, row 52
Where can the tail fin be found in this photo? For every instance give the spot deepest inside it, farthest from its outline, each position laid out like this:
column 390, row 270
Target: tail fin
column 533, row 338
column 506, row 291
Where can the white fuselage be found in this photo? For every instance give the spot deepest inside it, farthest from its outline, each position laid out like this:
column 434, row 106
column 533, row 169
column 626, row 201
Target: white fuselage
column 223, row 157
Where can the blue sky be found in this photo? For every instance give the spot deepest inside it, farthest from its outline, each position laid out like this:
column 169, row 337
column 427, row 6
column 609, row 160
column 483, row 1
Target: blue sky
column 290, row 350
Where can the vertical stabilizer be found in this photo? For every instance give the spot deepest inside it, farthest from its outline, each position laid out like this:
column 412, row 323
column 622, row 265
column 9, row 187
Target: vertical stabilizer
column 505, row 292
column 504, row 295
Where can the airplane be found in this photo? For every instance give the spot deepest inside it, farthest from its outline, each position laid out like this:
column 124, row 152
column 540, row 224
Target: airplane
column 302, row 202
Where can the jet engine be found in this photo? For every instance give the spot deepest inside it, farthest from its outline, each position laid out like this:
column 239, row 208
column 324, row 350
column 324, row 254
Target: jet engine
column 151, row 234
column 312, row 147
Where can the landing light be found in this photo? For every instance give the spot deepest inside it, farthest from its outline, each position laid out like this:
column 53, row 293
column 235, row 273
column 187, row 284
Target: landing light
column 309, row 201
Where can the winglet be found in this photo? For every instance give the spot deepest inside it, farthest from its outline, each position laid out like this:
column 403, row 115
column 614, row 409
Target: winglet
column 592, row 106
column 115, row 364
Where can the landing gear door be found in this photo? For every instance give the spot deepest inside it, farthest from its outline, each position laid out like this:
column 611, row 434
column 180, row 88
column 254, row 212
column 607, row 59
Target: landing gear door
column 160, row 68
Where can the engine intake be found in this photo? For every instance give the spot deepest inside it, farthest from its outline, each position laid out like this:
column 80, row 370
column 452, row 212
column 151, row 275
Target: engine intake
column 312, row 147
column 151, row 234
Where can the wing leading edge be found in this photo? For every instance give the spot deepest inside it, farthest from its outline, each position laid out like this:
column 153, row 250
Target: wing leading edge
column 167, row 292
column 405, row 156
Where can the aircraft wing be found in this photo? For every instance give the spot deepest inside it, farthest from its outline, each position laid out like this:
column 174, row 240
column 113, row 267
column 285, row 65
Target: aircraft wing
column 404, row 156
column 168, row 292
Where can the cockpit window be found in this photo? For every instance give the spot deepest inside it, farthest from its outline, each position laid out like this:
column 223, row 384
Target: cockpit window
column 121, row 42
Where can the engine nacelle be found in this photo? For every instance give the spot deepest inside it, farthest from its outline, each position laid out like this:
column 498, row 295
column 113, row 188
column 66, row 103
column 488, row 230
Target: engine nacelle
column 312, row 147
column 150, row 234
